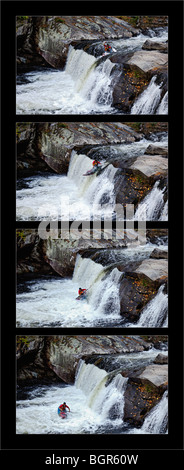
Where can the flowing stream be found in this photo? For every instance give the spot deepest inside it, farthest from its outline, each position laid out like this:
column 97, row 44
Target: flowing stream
column 85, row 86
column 96, row 401
column 51, row 302
column 78, row 197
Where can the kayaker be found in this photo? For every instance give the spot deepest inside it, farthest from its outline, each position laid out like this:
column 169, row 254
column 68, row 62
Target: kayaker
column 107, row 47
column 81, row 291
column 63, row 406
column 96, row 164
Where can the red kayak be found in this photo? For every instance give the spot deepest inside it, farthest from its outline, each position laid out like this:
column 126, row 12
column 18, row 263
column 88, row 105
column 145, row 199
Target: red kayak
column 62, row 414
column 90, row 172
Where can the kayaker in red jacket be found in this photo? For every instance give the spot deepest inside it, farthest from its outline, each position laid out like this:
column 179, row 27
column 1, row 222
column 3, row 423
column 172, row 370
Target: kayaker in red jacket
column 63, row 406
column 107, row 47
column 81, row 291
column 96, row 163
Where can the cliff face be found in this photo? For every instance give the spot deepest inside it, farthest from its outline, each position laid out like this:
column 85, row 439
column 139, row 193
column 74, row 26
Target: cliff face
column 53, row 143
column 61, row 354
column 50, row 37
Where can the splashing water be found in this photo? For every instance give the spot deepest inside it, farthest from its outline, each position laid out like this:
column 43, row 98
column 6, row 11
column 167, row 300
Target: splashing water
column 88, row 88
column 71, row 197
column 52, row 302
column 153, row 207
column 155, row 314
column 149, row 99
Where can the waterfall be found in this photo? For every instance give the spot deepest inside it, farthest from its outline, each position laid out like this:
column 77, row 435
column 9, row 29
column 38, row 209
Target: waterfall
column 156, row 421
column 96, row 190
column 106, row 399
column 148, row 101
column 152, row 205
column 83, row 87
column 163, row 107
column 92, row 81
column 103, row 288
column 155, row 312
column 79, row 65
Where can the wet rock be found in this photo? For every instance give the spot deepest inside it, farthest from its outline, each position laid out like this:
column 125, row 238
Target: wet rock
column 133, row 74
column 149, row 165
column 50, row 37
column 155, row 150
column 66, row 351
column 156, row 236
column 30, row 254
column 161, row 359
column 159, row 46
column 154, row 269
column 135, row 292
column 139, row 285
column 157, row 253
column 147, row 61
column 156, row 374
column 32, row 365
column 53, row 356
column 143, row 393
column 49, row 145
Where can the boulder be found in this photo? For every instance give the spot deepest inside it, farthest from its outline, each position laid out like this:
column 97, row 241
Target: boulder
column 149, row 165
column 154, row 269
column 157, row 253
column 30, row 254
column 146, row 61
column 139, row 284
column 152, row 45
column 157, row 374
column 155, row 150
column 161, row 359
column 143, row 392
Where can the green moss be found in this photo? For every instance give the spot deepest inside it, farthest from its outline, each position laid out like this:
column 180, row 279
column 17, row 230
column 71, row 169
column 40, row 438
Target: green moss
column 23, row 340
column 22, row 17
column 21, row 234
column 61, row 124
column 59, row 20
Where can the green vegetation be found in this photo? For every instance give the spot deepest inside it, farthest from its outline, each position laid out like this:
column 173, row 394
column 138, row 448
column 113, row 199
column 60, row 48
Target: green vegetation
column 132, row 20
column 61, row 124
column 22, row 17
column 21, row 234
column 23, row 340
column 59, row 20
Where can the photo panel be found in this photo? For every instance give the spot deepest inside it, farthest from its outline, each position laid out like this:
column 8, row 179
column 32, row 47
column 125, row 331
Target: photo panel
column 92, row 282
column 92, row 65
column 86, row 384
column 92, row 171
